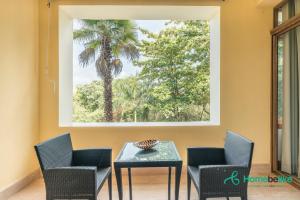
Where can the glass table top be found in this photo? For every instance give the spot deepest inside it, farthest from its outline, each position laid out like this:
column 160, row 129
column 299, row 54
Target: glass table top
column 163, row 151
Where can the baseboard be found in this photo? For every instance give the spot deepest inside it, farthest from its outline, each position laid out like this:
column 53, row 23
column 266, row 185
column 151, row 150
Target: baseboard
column 19, row 184
column 261, row 169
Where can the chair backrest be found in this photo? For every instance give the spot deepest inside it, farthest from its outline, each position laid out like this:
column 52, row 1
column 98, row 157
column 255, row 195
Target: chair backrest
column 238, row 150
column 56, row 152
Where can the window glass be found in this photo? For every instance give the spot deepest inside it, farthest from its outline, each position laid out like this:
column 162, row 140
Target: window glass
column 282, row 14
column 141, row 71
column 287, row 11
column 297, row 7
column 288, row 54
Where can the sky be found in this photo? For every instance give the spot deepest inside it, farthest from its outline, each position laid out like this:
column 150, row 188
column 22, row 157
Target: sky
column 88, row 74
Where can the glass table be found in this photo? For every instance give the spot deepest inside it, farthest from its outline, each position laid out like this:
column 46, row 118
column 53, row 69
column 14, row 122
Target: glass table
column 164, row 154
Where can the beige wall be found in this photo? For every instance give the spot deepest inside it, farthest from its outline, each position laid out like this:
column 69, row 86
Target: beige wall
column 19, row 103
column 245, row 84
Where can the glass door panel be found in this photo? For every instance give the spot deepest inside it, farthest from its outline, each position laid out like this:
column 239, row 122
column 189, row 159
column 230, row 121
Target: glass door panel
column 288, row 102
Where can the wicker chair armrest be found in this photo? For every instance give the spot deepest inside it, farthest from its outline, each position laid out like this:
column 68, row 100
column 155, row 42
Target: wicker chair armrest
column 223, row 179
column 92, row 157
column 70, row 180
column 205, row 156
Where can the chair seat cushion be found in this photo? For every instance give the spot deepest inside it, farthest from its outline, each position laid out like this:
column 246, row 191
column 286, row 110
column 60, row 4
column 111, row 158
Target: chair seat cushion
column 194, row 174
column 101, row 175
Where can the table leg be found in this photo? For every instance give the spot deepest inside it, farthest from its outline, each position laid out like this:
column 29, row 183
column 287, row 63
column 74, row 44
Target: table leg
column 177, row 180
column 130, row 183
column 169, row 183
column 118, row 172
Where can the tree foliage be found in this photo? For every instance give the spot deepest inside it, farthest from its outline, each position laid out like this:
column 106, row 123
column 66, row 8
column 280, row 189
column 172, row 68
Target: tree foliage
column 176, row 63
column 173, row 84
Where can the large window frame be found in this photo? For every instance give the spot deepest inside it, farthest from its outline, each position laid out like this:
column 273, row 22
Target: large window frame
column 69, row 12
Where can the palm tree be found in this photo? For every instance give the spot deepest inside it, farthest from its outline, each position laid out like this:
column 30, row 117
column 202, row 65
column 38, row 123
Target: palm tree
column 105, row 41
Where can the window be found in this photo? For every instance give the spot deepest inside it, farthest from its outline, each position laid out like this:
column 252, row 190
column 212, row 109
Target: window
column 139, row 65
column 285, row 91
column 286, row 10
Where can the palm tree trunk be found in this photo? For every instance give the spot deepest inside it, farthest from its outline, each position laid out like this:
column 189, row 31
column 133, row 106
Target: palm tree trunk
column 108, row 98
column 108, row 107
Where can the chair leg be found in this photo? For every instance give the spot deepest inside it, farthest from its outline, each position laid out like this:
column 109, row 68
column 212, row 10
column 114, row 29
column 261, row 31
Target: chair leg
column 109, row 181
column 244, row 198
column 227, row 198
column 189, row 181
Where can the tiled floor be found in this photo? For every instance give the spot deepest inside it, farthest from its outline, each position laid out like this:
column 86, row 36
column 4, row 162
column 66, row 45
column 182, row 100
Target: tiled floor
column 155, row 188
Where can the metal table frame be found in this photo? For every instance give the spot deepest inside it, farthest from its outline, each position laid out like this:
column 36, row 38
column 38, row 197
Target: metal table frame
column 177, row 164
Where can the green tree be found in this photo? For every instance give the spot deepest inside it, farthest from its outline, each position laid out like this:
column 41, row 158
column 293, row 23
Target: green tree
column 176, row 63
column 131, row 99
column 105, row 41
column 87, row 102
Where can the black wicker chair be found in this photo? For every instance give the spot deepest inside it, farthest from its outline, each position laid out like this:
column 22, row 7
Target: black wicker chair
column 73, row 174
column 209, row 168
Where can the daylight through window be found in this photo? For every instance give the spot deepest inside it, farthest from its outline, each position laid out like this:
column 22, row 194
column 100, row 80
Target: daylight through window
column 140, row 71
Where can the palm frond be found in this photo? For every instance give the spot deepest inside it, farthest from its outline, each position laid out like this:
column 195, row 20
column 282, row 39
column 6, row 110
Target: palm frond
column 87, row 56
column 94, row 44
column 91, row 23
column 84, row 35
column 117, row 66
column 125, row 31
column 125, row 40
column 130, row 51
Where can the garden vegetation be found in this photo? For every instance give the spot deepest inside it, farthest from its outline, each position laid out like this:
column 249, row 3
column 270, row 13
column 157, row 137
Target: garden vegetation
column 173, row 83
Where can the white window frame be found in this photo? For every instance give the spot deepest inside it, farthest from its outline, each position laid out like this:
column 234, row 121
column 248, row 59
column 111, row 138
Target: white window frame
column 69, row 12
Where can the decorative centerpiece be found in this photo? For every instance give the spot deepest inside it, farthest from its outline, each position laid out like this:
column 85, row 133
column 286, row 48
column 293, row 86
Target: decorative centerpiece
column 146, row 144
